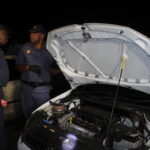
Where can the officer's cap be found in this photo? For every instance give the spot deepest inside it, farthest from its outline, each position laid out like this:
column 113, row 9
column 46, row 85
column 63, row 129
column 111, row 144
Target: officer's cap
column 38, row 29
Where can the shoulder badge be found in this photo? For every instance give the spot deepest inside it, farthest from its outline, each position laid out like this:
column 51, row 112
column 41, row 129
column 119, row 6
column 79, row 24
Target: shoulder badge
column 28, row 51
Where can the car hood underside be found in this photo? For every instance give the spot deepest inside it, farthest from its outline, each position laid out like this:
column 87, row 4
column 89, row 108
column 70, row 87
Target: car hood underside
column 92, row 53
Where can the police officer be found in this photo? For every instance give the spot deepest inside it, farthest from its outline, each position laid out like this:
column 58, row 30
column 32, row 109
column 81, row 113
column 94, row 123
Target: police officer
column 34, row 61
column 4, row 76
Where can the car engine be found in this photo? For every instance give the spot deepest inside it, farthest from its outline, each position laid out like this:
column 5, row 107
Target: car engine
column 75, row 126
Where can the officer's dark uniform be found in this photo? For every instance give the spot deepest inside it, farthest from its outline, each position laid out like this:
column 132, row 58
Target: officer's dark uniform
column 35, row 85
column 4, row 76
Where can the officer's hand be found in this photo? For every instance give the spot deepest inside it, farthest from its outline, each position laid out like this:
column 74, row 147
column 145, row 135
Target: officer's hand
column 55, row 71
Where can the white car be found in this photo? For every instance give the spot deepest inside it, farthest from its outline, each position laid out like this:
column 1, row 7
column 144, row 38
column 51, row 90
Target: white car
column 108, row 106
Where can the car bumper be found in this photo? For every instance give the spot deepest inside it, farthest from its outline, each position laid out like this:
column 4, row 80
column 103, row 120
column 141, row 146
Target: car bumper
column 21, row 145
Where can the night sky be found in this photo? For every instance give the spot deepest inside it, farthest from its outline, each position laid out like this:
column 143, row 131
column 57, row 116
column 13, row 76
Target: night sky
column 21, row 17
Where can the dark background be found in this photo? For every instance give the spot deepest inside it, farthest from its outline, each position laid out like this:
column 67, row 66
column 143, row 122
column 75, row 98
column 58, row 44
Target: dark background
column 19, row 26
column 22, row 15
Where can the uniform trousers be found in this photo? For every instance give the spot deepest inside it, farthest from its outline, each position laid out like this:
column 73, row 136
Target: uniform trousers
column 33, row 97
column 2, row 132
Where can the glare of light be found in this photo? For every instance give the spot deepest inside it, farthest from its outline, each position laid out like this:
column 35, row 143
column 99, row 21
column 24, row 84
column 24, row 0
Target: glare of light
column 70, row 142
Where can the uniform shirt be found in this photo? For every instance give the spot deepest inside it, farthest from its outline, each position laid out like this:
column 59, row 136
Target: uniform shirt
column 29, row 55
column 4, row 72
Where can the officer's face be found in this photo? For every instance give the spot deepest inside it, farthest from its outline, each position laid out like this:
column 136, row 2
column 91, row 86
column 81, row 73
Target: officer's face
column 36, row 37
column 3, row 37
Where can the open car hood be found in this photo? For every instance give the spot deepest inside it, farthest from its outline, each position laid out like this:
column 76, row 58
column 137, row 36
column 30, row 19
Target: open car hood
column 92, row 52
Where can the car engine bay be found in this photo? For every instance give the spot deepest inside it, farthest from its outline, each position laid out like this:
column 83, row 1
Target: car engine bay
column 80, row 122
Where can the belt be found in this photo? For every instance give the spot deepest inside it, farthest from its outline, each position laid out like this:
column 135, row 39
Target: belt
column 35, row 84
